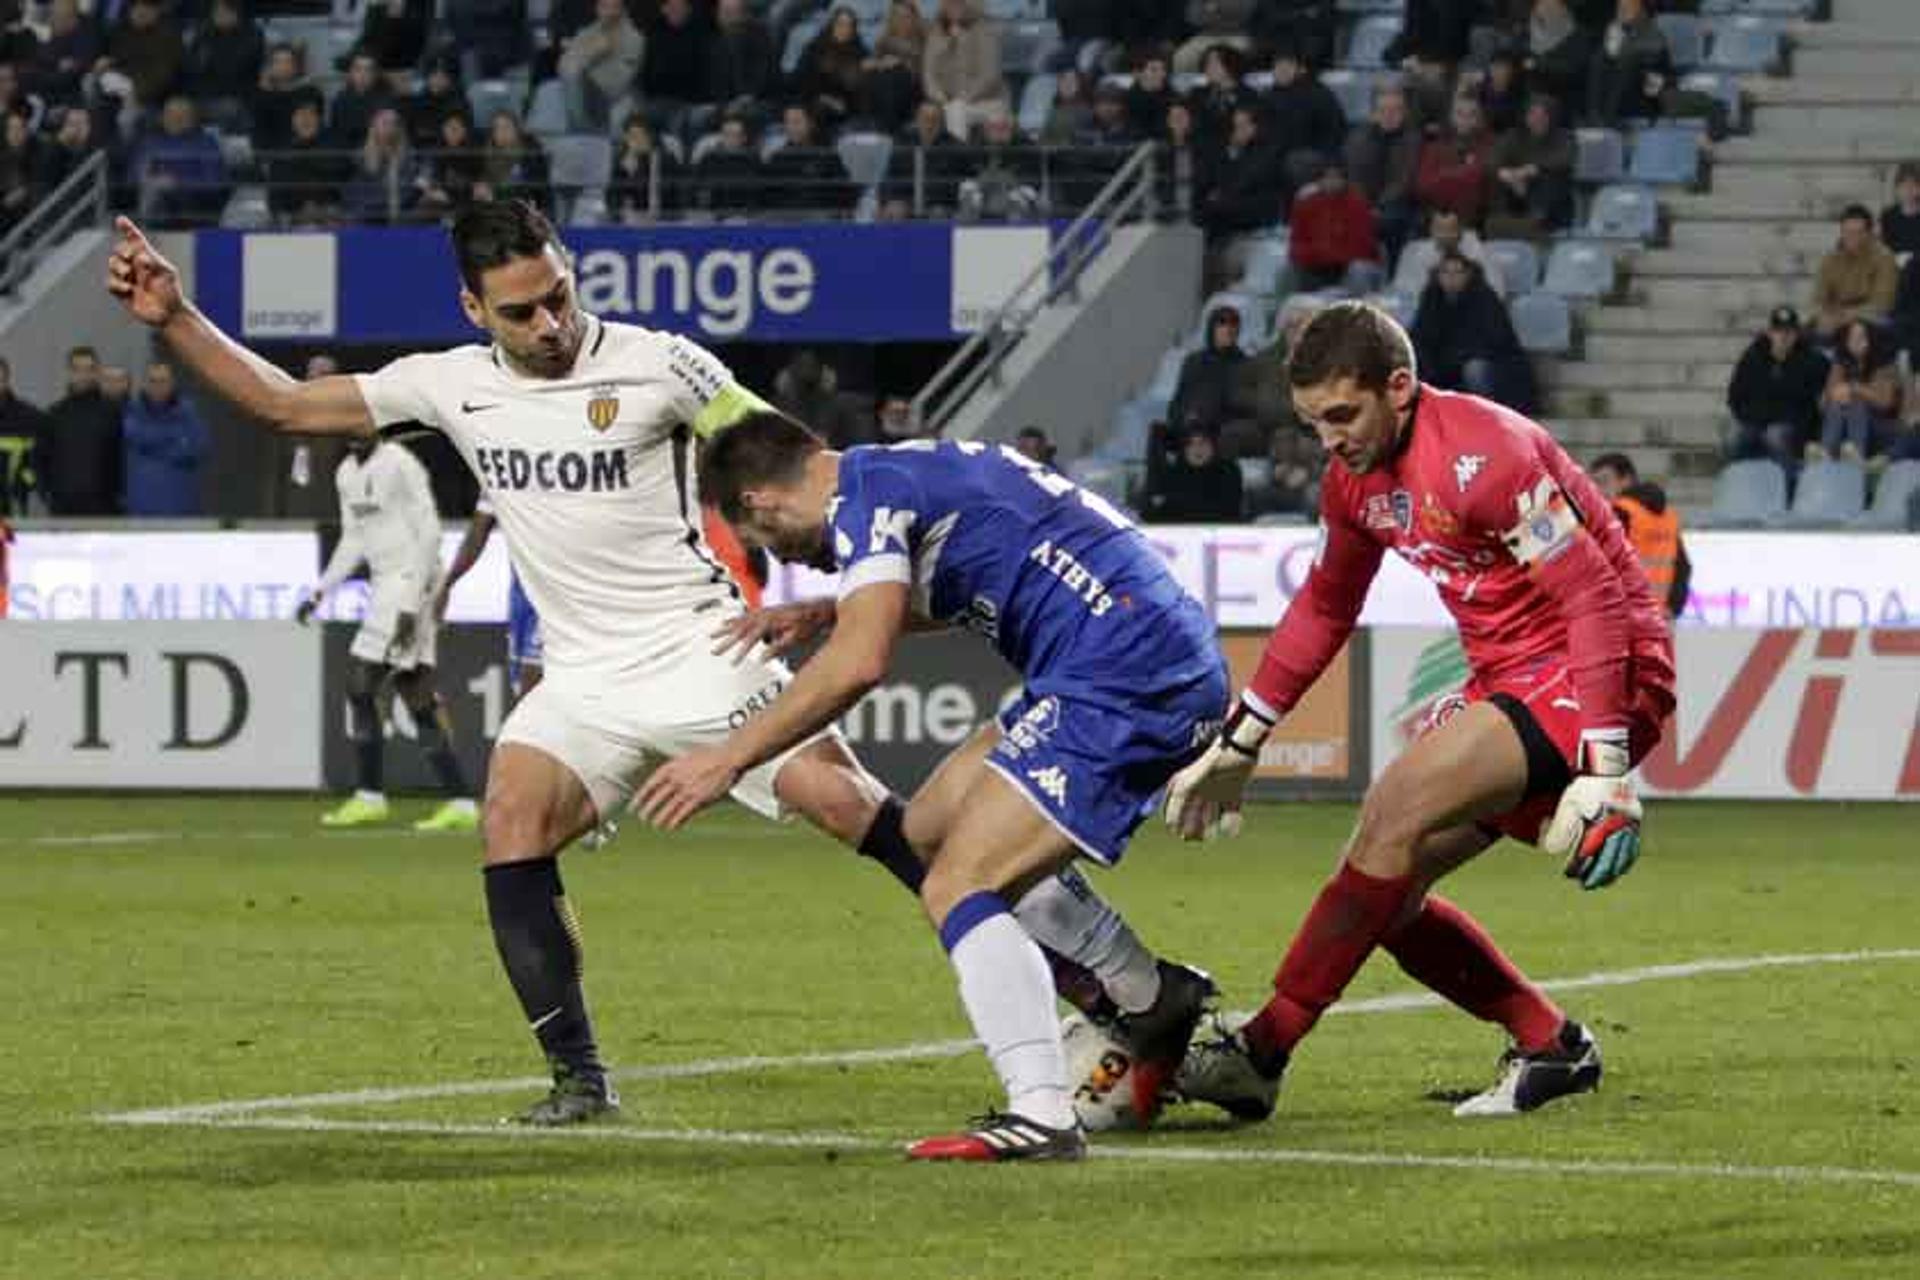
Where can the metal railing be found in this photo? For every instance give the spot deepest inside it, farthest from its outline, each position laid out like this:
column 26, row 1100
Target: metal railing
column 1129, row 195
column 79, row 201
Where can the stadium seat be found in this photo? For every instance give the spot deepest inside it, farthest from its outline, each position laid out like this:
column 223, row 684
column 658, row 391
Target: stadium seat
column 1266, row 259
column 1355, row 92
column 580, row 162
column 1721, row 86
column 1256, row 475
column 1622, row 211
column 1036, row 102
column 1367, row 47
column 798, row 38
column 1761, row 8
column 1519, row 264
column 865, row 156
column 1747, row 495
column 1026, row 46
column 547, row 113
column 489, row 98
column 1896, row 489
column 1599, row 155
column 1744, row 44
column 236, row 150
column 1166, row 375
column 1667, row 155
column 588, row 209
column 1580, row 269
column 247, row 209
column 1831, row 492
column 1401, row 306
column 1131, row 422
column 1371, row 6
column 1105, row 476
column 1544, row 323
column 1685, row 42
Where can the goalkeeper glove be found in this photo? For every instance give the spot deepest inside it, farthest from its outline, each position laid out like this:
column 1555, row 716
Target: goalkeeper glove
column 1203, row 800
column 1596, row 827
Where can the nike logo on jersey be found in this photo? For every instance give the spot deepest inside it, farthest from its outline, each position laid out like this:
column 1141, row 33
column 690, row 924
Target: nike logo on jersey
column 476, row 408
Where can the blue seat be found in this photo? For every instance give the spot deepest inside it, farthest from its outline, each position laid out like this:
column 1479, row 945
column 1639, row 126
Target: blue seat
column 1744, row 43
column 1131, row 422
column 1401, row 306
column 1036, row 102
column 1371, row 6
column 1354, row 92
column 865, row 156
column 580, row 162
column 1720, row 85
column 1519, row 264
column 1544, row 323
column 1686, row 42
column 1600, row 155
column 1831, row 492
column 1580, row 269
column 1166, row 377
column 1367, row 46
column 801, row 34
column 1898, row 486
column 547, row 113
column 1666, row 155
column 1747, row 495
column 489, row 98
column 1026, row 46
column 1266, row 259
column 1761, row 8
column 1622, row 211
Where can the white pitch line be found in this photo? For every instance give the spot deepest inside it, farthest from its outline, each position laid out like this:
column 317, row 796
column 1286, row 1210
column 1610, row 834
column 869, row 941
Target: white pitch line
column 208, row 1112
column 1802, row 1174
column 109, row 839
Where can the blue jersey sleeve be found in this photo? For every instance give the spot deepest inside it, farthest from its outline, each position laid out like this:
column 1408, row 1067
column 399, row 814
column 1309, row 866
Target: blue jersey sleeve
column 874, row 524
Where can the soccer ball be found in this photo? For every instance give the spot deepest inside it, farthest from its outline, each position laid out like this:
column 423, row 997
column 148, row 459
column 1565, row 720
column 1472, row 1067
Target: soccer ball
column 1100, row 1071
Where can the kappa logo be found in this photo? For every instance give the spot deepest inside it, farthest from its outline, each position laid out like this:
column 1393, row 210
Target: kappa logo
column 1052, row 780
column 1466, row 467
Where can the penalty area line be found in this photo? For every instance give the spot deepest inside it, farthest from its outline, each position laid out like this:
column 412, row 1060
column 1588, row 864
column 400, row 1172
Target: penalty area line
column 211, row 1112
column 1142, row 1152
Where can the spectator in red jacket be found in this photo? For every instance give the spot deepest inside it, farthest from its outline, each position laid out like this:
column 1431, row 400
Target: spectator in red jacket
column 1455, row 165
column 1331, row 239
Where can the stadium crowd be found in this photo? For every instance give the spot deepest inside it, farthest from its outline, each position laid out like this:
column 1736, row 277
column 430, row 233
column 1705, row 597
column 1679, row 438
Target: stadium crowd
column 725, row 108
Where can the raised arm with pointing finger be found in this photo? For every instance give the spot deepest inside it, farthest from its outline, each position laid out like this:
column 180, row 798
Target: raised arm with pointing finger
column 149, row 287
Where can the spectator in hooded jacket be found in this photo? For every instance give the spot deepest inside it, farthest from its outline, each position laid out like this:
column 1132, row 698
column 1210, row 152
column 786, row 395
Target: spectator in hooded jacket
column 166, row 444
column 1191, row 483
column 1465, row 339
column 1775, row 393
column 1208, row 394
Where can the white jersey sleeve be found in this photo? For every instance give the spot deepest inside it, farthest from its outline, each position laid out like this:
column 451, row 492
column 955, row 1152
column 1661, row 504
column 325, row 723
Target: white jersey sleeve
column 401, row 391
column 704, row 394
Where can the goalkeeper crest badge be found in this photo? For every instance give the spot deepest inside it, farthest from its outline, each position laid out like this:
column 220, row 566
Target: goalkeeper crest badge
column 603, row 406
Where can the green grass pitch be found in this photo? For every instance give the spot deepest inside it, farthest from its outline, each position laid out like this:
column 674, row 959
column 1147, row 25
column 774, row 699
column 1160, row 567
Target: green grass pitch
column 168, row 952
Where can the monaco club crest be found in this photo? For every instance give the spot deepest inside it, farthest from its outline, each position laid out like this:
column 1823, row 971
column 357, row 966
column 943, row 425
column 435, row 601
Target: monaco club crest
column 603, row 406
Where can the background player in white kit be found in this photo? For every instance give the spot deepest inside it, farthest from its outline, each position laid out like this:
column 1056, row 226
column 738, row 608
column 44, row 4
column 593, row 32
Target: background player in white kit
column 389, row 522
column 581, row 434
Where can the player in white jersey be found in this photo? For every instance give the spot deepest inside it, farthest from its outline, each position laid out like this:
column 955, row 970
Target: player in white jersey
column 388, row 522
column 581, row 434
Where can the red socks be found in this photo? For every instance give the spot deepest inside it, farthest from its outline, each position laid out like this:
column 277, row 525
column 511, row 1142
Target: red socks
column 1344, row 925
column 1446, row 950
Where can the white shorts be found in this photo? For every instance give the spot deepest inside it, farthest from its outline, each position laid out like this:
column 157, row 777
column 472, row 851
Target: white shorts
column 613, row 728
column 373, row 642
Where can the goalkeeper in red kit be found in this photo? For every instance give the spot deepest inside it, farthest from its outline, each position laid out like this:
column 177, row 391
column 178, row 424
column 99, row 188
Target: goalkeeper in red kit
column 1572, row 664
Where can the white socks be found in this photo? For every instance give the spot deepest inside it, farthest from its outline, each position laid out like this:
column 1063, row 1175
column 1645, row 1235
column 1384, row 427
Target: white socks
column 1064, row 914
column 1008, row 991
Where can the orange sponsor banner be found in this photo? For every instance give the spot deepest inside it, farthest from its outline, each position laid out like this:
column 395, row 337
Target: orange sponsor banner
column 1315, row 741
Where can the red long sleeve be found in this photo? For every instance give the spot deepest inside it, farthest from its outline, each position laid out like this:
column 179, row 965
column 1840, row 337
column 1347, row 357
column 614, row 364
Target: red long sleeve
column 1310, row 633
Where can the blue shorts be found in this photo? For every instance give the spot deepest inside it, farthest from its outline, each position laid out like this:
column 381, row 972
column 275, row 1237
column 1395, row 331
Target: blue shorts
column 523, row 632
column 1095, row 764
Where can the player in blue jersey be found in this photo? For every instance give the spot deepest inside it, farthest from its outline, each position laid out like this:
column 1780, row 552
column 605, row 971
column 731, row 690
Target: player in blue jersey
column 524, row 660
column 1124, row 684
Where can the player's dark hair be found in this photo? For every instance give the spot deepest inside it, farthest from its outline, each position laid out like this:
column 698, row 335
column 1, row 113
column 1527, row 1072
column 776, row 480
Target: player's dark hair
column 1349, row 340
column 762, row 449
column 492, row 233
column 1616, row 462
column 1857, row 213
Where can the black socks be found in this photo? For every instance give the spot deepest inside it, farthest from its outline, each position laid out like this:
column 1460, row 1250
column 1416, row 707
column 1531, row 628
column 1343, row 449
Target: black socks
column 539, row 943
